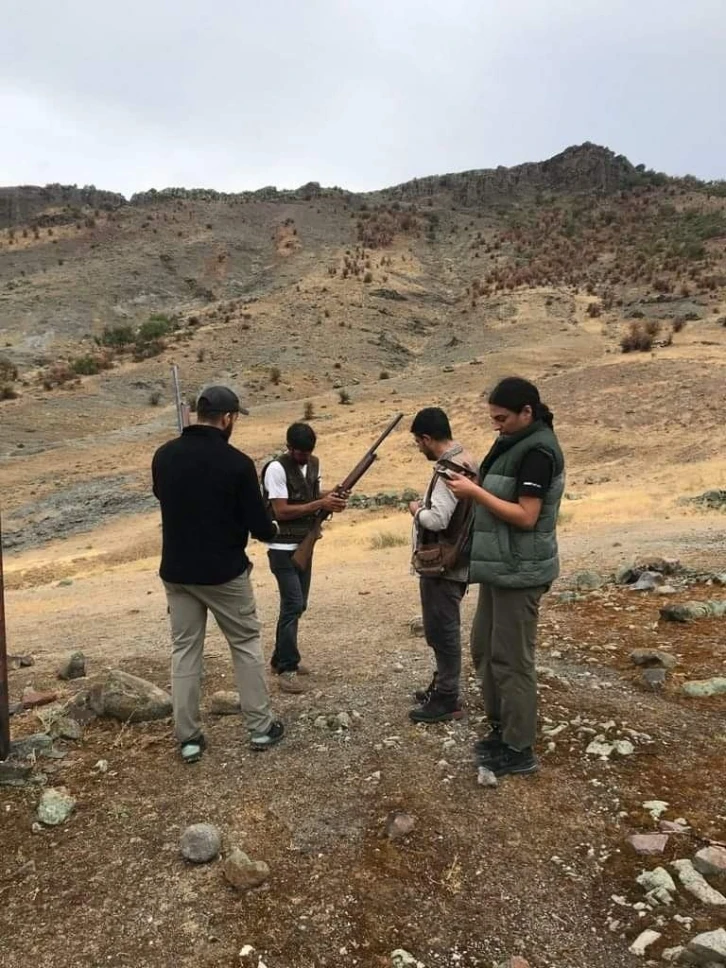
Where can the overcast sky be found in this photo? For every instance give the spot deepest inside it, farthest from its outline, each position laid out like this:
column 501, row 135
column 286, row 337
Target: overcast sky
column 236, row 94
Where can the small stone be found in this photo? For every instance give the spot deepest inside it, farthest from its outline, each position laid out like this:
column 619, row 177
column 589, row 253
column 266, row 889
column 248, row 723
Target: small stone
column 701, row 688
column 673, row 954
column 588, row 581
column 321, row 722
column 244, row 874
column 63, row 727
column 599, row 747
column 708, row 947
column 654, row 678
column 711, row 860
column 657, row 878
column 515, row 962
column 20, row 661
column 653, row 657
column 623, row 747
column 416, row 626
column 673, row 827
column 656, row 807
column 697, row 885
column 31, row 699
column 31, row 745
column 342, row 720
column 14, row 774
column 400, row 958
column 644, row 941
column 201, row 843
column 665, row 590
column 648, row 843
column 101, row 766
column 399, row 824
column 486, row 778
column 56, row 805
column 224, row 703
column 129, row 699
column 74, row 667
column 397, row 667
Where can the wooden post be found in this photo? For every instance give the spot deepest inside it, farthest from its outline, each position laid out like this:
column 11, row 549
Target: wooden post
column 4, row 696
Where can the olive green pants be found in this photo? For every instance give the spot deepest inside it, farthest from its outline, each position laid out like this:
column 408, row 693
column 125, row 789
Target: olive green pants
column 233, row 607
column 503, row 638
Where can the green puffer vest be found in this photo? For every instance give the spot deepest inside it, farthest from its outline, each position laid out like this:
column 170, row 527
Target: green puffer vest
column 301, row 489
column 505, row 556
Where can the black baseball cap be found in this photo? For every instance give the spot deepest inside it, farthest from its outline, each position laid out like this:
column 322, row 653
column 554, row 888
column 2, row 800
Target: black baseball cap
column 220, row 400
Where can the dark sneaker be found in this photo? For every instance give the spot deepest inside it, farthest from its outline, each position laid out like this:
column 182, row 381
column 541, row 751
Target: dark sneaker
column 274, row 734
column 511, row 761
column 423, row 695
column 490, row 745
column 438, row 708
column 192, row 749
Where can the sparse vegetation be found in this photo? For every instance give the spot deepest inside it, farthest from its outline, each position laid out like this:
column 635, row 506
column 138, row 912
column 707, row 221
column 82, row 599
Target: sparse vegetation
column 201, row 353
column 637, row 339
column 155, row 398
column 117, row 336
column 388, row 539
column 344, row 397
column 275, row 375
column 308, row 410
column 384, row 375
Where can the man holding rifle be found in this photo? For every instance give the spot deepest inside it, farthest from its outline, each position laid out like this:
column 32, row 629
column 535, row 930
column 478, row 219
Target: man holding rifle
column 291, row 485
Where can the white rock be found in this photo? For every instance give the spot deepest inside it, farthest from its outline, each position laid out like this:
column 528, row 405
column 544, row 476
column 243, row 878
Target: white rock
column 623, row 747
column 486, row 778
column 401, row 958
column 56, row 805
column 657, row 878
column 643, row 941
column 673, row 954
column 696, row 884
column 656, row 807
column 708, row 947
column 600, row 748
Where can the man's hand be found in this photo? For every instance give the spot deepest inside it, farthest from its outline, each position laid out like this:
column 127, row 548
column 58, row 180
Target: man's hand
column 414, row 506
column 333, row 502
column 461, row 487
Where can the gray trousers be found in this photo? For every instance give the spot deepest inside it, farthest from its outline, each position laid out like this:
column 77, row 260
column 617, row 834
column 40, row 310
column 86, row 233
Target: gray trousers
column 503, row 638
column 441, row 611
column 233, row 607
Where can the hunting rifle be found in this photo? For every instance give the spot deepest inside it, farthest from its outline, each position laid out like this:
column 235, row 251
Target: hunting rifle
column 304, row 552
column 182, row 408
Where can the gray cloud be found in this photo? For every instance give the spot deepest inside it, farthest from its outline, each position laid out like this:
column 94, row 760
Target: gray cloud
column 236, row 94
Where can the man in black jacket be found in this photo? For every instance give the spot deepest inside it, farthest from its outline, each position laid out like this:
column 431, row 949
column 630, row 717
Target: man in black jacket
column 210, row 503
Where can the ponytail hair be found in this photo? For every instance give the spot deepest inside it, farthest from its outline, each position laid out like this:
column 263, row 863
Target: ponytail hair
column 513, row 393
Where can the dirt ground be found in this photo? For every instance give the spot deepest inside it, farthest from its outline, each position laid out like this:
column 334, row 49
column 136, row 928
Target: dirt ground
column 528, row 868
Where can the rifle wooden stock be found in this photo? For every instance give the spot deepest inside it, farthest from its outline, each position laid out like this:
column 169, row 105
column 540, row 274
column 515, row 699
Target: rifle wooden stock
column 303, row 554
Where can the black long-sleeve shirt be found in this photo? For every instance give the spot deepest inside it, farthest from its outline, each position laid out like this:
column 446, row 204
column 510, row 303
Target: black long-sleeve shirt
column 210, row 503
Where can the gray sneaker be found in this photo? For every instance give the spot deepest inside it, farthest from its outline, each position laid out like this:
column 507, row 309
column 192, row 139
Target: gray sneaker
column 263, row 741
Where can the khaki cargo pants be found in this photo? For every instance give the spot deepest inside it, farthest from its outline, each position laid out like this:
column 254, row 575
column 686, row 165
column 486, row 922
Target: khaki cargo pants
column 503, row 638
column 233, row 607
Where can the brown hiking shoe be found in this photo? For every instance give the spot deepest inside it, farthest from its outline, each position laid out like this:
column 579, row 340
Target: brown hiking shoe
column 289, row 682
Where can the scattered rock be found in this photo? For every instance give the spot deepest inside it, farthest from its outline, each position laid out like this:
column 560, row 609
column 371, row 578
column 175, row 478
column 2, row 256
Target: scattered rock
column 31, row 699
column 31, row 745
column 249, row 958
column 648, row 843
column 515, row 962
column 399, row 824
column 342, row 721
column 397, row 667
column 63, row 727
column 644, row 941
column 696, row 884
column 647, row 581
column 653, row 658
column 692, row 611
column 74, row 667
column 225, row 703
column 588, row 581
column 20, row 661
column 129, row 698
column 605, row 748
column 416, row 626
column 665, row 590
column 701, row 688
column 14, row 774
column 486, row 778
column 244, row 874
column 401, row 958
column 653, row 678
column 709, row 947
column 56, row 805
column 657, row 878
column 711, row 860
column 321, row 722
column 656, row 807
column 673, row 827
column 673, row 954
column 201, row 843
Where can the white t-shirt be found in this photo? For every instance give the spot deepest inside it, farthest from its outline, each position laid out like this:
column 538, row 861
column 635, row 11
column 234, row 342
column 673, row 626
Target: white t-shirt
column 275, row 483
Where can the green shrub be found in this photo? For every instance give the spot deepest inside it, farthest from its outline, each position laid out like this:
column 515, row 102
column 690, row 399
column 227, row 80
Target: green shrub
column 117, row 336
column 85, row 365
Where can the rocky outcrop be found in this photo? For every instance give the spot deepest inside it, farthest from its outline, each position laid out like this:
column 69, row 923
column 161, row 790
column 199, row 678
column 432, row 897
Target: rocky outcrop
column 22, row 204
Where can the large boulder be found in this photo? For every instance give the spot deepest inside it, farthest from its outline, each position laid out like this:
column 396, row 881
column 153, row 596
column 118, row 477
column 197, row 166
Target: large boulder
column 129, row 698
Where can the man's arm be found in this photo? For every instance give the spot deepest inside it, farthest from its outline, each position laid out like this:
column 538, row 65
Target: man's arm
column 276, row 484
column 259, row 522
column 443, row 505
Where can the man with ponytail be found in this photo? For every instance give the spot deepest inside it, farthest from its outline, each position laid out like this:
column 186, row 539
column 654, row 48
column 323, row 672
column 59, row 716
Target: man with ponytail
column 514, row 560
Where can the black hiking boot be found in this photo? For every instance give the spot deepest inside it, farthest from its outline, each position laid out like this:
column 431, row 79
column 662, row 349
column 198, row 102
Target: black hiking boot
column 490, row 745
column 438, row 708
column 514, row 762
column 423, row 695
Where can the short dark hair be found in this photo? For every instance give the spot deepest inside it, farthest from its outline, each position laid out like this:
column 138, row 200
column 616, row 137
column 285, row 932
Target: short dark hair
column 514, row 393
column 431, row 422
column 301, row 436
